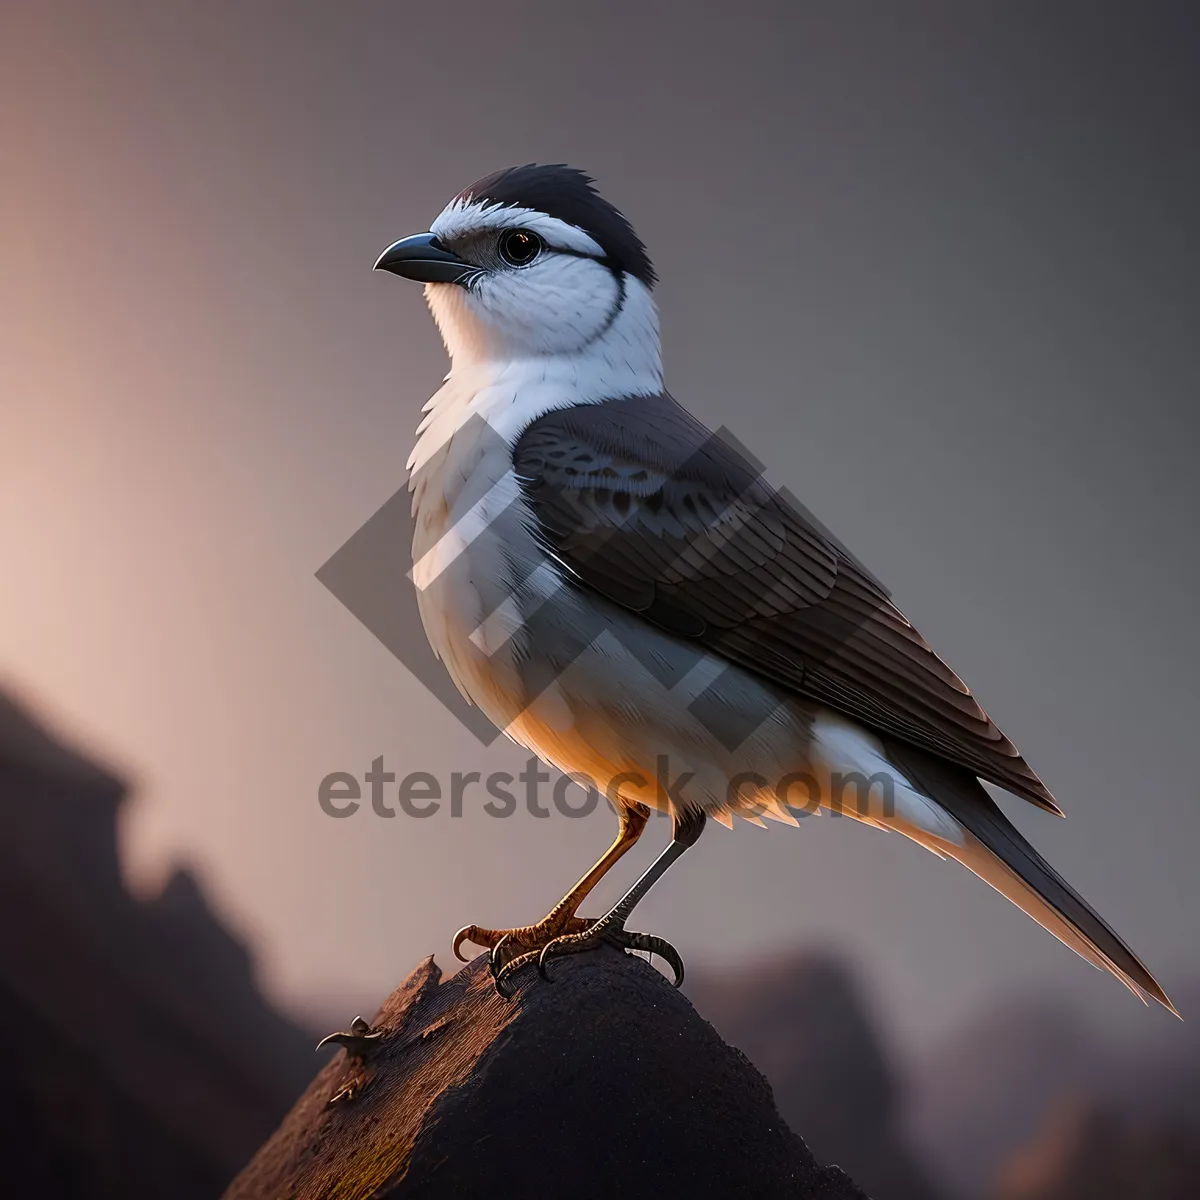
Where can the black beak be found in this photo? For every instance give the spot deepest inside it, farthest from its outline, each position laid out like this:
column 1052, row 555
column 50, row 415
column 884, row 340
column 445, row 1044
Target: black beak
column 422, row 257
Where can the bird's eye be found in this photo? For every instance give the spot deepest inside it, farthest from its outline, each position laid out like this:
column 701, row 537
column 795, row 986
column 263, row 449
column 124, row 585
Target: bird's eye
column 519, row 247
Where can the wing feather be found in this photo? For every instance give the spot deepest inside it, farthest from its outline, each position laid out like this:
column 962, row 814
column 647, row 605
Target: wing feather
column 642, row 503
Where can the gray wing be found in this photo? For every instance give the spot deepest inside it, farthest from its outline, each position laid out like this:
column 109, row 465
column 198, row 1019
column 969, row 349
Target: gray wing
column 643, row 504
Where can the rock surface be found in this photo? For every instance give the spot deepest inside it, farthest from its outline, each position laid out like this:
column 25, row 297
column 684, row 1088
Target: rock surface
column 602, row 1083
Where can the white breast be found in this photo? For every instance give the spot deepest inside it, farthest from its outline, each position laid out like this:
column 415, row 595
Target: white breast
column 479, row 571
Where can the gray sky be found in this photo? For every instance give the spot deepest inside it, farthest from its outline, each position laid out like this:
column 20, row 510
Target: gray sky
column 937, row 264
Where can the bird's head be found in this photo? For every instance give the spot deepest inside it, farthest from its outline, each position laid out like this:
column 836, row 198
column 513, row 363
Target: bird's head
column 531, row 261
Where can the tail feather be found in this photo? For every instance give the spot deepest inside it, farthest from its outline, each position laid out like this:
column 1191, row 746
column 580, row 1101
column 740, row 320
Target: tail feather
column 995, row 851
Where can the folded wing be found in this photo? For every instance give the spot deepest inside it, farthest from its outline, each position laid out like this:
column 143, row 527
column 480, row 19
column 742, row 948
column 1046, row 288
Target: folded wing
column 639, row 501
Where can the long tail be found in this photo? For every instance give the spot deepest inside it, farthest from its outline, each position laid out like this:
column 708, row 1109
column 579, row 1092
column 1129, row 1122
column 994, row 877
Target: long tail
column 995, row 851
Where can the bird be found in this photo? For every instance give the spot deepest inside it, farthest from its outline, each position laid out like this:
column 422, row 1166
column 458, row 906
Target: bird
column 618, row 590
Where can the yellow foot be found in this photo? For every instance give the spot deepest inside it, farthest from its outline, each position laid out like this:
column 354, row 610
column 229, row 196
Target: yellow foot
column 513, row 948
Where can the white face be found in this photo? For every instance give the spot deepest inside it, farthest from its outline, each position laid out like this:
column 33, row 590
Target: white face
column 541, row 289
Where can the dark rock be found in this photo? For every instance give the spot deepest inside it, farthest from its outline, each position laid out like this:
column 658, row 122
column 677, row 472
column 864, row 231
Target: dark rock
column 802, row 1022
column 602, row 1083
column 137, row 1058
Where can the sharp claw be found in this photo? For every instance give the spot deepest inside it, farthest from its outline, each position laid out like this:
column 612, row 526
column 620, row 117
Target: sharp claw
column 495, row 960
column 545, row 957
column 660, row 946
column 590, row 939
column 509, row 969
column 463, row 935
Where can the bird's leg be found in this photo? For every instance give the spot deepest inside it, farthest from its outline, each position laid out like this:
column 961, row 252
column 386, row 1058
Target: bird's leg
column 515, row 947
column 610, row 929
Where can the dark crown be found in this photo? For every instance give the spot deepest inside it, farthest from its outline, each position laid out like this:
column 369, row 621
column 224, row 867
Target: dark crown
column 569, row 195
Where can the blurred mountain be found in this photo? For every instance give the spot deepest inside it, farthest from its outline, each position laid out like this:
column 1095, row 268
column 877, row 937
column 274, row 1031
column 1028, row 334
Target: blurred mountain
column 802, row 1023
column 137, row 1057
column 989, row 1087
column 995, row 1092
column 1087, row 1152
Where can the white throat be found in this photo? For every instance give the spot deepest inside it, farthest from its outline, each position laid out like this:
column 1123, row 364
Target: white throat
column 510, row 388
